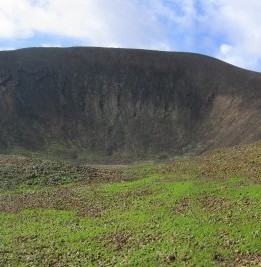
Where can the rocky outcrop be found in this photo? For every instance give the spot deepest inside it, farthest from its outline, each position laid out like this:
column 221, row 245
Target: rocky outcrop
column 124, row 104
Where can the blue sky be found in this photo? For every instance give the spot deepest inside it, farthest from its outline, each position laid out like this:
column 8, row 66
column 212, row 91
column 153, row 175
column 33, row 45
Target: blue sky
column 225, row 29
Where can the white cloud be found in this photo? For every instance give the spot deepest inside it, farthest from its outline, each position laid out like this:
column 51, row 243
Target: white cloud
column 238, row 22
column 227, row 29
column 231, row 54
column 94, row 22
column 225, row 49
column 6, row 48
column 51, row 45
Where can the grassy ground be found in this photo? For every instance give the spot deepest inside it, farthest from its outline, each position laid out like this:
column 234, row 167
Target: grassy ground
column 204, row 211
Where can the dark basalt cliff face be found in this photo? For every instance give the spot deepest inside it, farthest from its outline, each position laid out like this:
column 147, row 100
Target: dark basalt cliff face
column 124, row 104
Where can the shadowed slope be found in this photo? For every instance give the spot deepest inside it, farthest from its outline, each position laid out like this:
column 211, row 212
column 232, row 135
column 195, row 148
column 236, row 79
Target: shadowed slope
column 124, row 104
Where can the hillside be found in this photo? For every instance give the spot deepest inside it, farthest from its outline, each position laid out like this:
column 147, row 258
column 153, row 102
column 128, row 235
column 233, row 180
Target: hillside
column 203, row 211
column 123, row 105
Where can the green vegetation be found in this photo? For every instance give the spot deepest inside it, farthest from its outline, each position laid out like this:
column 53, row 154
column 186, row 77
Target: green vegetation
column 203, row 211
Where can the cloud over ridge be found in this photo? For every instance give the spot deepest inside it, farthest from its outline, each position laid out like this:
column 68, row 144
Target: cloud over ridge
column 227, row 29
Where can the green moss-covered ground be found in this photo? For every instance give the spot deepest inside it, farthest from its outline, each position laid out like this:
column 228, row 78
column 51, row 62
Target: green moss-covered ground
column 203, row 211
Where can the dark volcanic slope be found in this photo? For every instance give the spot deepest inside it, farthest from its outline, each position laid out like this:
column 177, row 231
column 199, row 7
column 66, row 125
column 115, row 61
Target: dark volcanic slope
column 125, row 103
